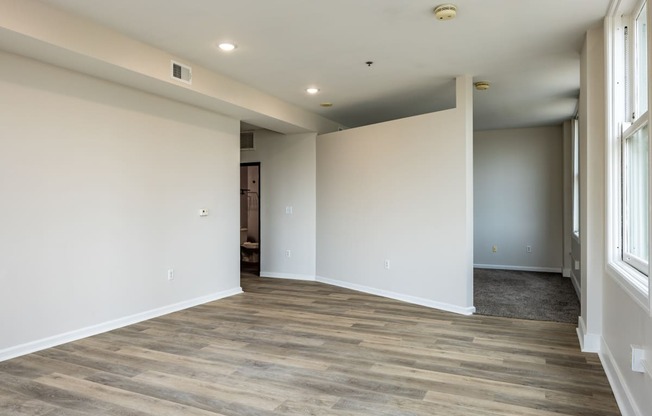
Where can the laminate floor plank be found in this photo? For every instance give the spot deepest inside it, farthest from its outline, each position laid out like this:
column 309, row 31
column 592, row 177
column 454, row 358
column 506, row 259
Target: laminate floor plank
column 16, row 404
column 287, row 347
column 135, row 403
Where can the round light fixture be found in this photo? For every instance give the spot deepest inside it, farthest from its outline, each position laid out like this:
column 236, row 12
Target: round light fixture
column 482, row 85
column 326, row 104
column 445, row 12
column 312, row 90
column 227, row 46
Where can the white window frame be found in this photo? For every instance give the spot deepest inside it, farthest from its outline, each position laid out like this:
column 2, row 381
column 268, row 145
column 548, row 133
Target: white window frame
column 632, row 280
column 575, row 153
column 629, row 130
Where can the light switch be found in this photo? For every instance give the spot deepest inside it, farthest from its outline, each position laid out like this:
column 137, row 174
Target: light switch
column 288, row 210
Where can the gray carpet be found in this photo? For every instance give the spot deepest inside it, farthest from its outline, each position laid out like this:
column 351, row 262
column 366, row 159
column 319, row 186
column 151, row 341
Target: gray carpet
column 525, row 295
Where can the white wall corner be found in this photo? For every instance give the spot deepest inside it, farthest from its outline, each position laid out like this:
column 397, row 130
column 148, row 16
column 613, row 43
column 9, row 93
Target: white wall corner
column 622, row 393
column 464, row 103
column 588, row 342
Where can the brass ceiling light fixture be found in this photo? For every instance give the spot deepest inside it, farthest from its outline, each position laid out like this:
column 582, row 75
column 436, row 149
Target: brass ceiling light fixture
column 445, row 12
column 482, row 85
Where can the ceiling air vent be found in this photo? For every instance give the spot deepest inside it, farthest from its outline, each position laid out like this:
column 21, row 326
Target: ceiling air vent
column 247, row 140
column 181, row 72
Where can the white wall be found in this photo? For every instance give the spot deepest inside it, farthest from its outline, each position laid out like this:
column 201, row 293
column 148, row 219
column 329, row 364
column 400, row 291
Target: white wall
column 626, row 324
column 402, row 191
column 567, row 178
column 518, row 198
column 287, row 179
column 592, row 187
column 100, row 188
column 41, row 31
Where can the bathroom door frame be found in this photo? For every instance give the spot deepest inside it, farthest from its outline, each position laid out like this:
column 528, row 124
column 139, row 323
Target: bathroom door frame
column 260, row 190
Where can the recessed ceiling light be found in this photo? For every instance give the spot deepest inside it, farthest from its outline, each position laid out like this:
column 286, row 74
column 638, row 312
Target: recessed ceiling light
column 312, row 90
column 227, row 46
column 445, row 12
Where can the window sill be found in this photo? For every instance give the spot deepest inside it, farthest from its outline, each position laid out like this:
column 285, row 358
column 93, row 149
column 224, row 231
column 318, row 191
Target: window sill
column 629, row 279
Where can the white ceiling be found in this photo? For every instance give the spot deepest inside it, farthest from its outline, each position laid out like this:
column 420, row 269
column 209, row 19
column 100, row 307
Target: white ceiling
column 528, row 50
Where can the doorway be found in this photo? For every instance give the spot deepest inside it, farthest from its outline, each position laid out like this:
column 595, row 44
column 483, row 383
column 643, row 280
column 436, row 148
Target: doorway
column 250, row 218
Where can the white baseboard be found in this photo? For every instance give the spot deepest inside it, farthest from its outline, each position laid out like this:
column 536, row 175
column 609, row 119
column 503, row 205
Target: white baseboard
column 623, row 395
column 399, row 296
column 518, row 268
column 588, row 342
column 53, row 341
column 287, row 276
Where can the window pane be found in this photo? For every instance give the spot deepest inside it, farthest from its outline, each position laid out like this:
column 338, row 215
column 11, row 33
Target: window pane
column 636, row 210
column 576, row 178
column 641, row 62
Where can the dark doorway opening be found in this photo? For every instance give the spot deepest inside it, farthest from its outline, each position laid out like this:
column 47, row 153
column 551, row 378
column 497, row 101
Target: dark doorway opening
column 250, row 218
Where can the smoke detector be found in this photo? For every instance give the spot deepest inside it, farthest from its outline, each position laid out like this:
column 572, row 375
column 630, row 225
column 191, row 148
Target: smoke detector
column 445, row 12
column 482, row 85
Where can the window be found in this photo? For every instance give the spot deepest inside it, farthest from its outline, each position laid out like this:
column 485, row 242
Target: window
column 635, row 200
column 639, row 93
column 635, row 160
column 575, row 136
column 628, row 155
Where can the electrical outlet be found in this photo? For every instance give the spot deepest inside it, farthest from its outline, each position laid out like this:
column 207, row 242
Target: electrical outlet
column 288, row 253
column 170, row 274
column 494, row 248
column 387, row 264
column 638, row 359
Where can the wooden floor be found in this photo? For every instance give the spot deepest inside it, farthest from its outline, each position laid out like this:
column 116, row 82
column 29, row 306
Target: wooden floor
column 302, row 348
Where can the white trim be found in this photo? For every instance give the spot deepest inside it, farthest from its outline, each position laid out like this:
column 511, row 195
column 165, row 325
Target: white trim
column 519, row 268
column 290, row 276
column 399, row 296
column 77, row 334
column 588, row 342
column 621, row 391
